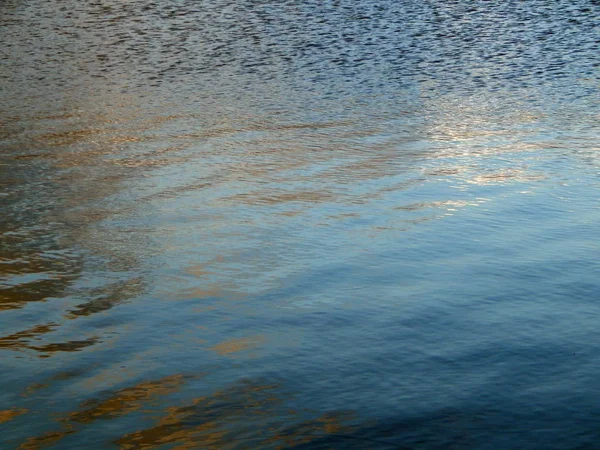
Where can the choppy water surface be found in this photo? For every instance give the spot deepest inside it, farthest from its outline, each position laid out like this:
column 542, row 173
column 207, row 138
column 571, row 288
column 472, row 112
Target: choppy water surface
column 279, row 224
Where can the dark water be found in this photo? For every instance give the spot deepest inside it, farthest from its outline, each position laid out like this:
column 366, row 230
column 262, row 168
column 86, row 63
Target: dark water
column 313, row 225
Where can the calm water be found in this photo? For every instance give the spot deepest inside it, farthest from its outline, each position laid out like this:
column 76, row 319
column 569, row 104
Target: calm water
column 263, row 224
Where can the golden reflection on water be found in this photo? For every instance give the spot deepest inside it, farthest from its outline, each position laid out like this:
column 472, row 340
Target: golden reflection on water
column 46, row 440
column 238, row 345
column 98, row 300
column 23, row 340
column 19, row 295
column 9, row 414
column 39, row 263
column 126, row 400
column 33, row 388
column 122, row 402
column 70, row 346
column 247, row 413
column 20, row 339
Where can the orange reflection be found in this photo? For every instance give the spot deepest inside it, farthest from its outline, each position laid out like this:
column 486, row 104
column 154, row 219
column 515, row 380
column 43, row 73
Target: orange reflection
column 247, row 414
column 69, row 346
column 22, row 340
column 32, row 388
column 44, row 441
column 207, row 421
column 127, row 400
column 121, row 403
column 15, row 297
column 18, row 340
column 237, row 345
column 10, row 414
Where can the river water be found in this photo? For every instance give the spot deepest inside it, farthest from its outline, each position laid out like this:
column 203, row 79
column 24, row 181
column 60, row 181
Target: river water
column 263, row 224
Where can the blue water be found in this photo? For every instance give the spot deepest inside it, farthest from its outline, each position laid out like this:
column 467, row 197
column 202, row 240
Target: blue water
column 313, row 225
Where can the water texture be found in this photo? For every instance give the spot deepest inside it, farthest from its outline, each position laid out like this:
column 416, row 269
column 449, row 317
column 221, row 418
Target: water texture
column 263, row 224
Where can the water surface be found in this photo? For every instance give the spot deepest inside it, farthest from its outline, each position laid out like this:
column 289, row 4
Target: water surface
column 277, row 224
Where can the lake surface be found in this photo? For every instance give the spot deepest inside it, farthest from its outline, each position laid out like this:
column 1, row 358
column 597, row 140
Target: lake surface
column 314, row 225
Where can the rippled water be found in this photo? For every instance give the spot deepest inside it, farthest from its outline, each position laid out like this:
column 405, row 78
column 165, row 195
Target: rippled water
column 277, row 224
